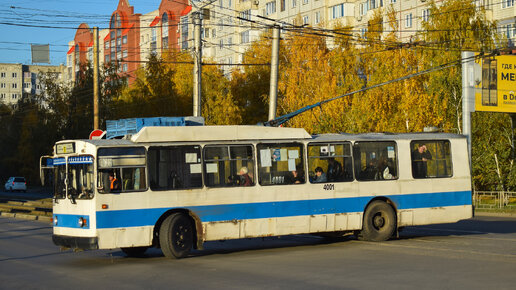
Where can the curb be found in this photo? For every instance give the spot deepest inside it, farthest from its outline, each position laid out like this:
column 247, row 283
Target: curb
column 495, row 214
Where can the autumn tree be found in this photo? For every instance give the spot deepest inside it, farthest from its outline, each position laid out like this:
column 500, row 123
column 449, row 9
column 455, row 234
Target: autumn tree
column 250, row 84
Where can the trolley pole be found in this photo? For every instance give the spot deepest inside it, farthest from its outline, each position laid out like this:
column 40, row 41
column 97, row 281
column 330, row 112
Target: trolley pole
column 95, row 78
column 197, row 70
column 273, row 94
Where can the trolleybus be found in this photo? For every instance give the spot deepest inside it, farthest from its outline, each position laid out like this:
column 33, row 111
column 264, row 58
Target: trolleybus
column 177, row 187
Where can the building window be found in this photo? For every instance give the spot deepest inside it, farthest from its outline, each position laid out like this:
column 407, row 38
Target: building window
column 408, row 20
column 125, row 67
column 244, row 37
column 393, row 1
column 15, row 75
column 14, row 96
column 2, row 96
column 294, row 3
column 507, row 3
column 221, row 44
column 124, row 39
column 305, row 20
column 246, row 14
column 337, row 11
column 154, row 34
column 2, row 75
column 270, row 8
column 124, row 54
column 305, row 2
column 282, row 5
column 2, row 85
column 317, row 19
column 14, row 85
column 107, row 58
column 363, row 32
column 426, row 15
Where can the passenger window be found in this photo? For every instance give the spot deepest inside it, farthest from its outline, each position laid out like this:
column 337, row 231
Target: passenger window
column 175, row 167
column 375, row 161
column 431, row 159
column 229, row 165
column 121, row 169
column 330, row 162
column 281, row 163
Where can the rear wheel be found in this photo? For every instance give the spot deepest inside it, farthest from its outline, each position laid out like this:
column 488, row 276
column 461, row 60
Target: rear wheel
column 176, row 236
column 379, row 222
column 135, row 251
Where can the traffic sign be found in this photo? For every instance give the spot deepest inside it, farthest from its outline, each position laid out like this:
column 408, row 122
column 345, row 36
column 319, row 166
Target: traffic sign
column 97, row 134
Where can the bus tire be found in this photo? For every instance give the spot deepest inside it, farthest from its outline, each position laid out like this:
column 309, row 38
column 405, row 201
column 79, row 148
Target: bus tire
column 134, row 251
column 176, row 236
column 379, row 222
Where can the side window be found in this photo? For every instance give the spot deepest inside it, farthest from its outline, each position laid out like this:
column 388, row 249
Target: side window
column 229, row 165
column 431, row 159
column 375, row 160
column 175, row 167
column 281, row 163
column 330, row 162
column 121, row 169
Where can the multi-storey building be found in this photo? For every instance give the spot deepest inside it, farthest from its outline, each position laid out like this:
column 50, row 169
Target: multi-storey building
column 230, row 26
column 130, row 38
column 18, row 80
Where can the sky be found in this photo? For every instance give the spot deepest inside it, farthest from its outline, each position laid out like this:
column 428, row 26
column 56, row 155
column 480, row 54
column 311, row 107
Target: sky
column 63, row 16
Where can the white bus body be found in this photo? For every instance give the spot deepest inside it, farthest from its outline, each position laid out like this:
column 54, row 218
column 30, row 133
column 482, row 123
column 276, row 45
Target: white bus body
column 146, row 214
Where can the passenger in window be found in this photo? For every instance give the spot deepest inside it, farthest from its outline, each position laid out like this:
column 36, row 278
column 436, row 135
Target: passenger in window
column 297, row 177
column 334, row 170
column 420, row 156
column 385, row 169
column 114, row 183
column 173, row 180
column 370, row 172
column 245, row 179
column 320, row 176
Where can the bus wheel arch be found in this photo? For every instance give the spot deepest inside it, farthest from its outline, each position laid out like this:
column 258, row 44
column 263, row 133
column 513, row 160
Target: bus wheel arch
column 194, row 219
column 379, row 222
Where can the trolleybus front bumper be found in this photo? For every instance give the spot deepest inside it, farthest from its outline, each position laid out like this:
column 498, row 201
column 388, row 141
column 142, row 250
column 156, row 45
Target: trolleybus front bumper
column 83, row 243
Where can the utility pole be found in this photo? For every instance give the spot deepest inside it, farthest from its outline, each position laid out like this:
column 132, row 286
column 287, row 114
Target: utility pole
column 468, row 94
column 273, row 94
column 95, row 78
column 197, row 70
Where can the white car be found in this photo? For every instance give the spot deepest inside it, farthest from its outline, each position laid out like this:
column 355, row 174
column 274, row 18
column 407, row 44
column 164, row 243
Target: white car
column 16, row 183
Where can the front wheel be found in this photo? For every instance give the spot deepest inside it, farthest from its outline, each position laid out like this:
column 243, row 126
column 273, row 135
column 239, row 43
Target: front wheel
column 176, row 236
column 379, row 222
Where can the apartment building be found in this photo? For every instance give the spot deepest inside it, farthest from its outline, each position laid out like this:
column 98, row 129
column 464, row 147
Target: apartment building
column 230, row 26
column 19, row 80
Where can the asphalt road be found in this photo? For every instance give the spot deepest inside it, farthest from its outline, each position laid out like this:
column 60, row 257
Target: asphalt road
column 475, row 254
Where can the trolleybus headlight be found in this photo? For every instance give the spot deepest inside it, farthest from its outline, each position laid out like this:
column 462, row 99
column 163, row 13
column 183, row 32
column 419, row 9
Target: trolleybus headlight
column 82, row 222
column 55, row 220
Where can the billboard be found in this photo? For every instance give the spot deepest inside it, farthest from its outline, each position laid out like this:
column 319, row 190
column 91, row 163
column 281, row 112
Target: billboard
column 497, row 90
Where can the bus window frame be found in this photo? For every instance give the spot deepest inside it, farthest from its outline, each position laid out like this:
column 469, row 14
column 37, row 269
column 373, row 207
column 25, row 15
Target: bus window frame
column 204, row 162
column 396, row 151
column 170, row 147
column 426, row 141
column 329, row 143
column 282, row 143
column 120, row 167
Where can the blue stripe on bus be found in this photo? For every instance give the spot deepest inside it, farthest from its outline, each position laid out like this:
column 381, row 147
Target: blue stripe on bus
column 71, row 221
column 228, row 212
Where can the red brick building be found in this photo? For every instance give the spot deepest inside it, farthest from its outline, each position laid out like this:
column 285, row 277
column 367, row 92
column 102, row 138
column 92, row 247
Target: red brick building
column 122, row 42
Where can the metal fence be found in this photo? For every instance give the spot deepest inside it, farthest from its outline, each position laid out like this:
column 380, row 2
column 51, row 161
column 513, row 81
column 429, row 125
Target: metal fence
column 494, row 199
